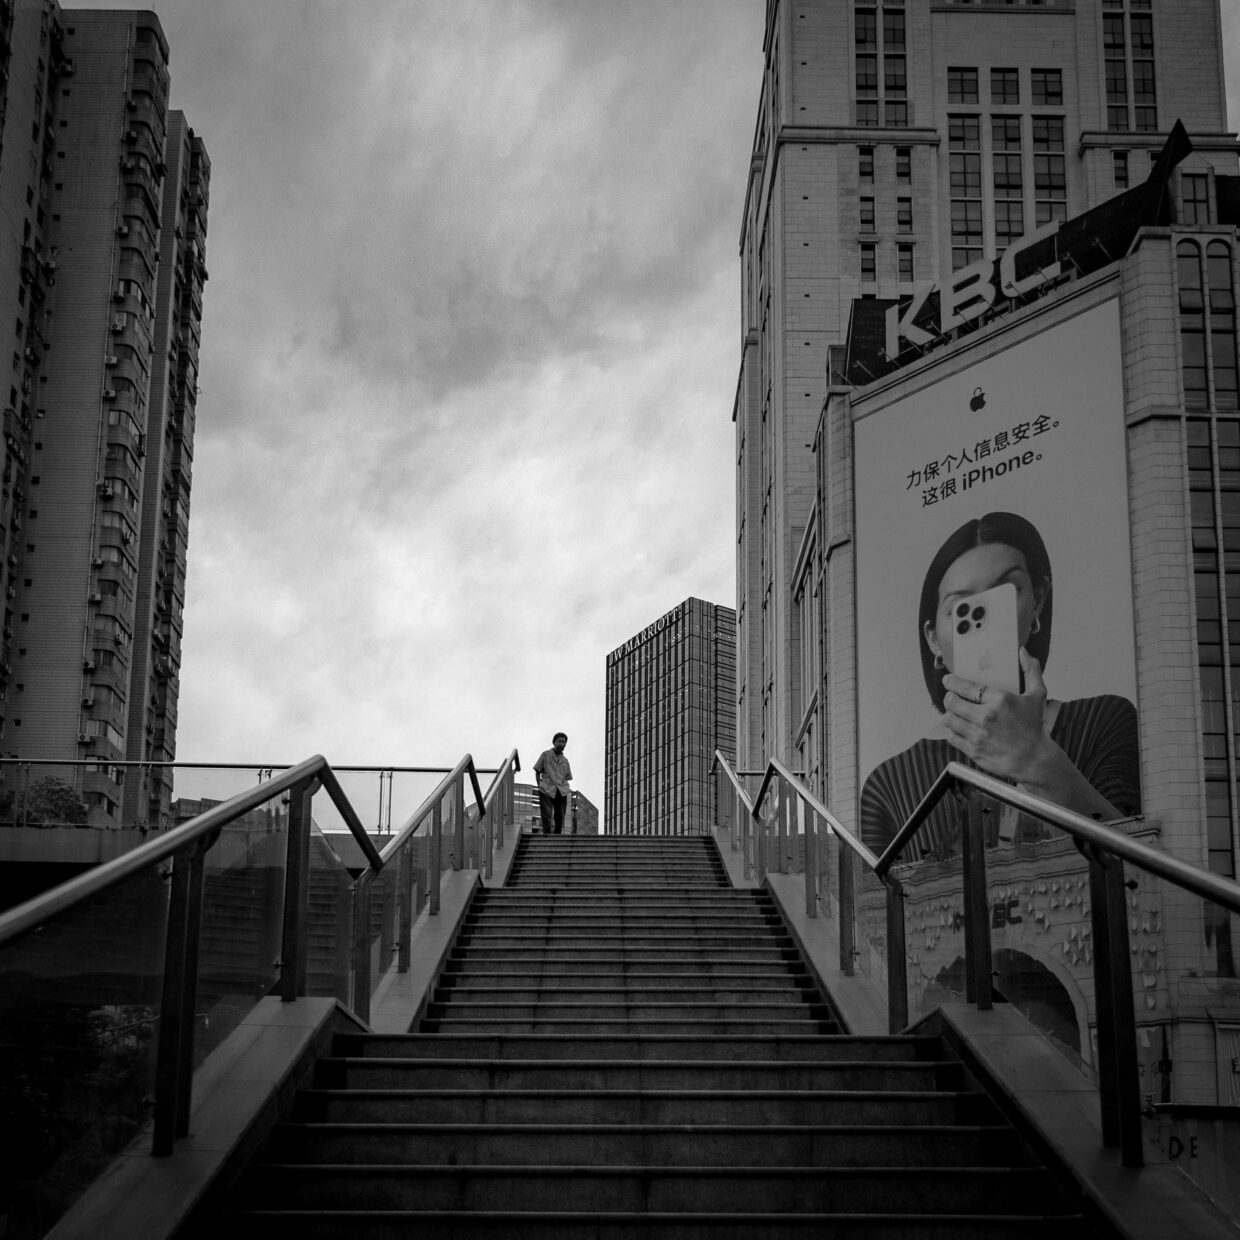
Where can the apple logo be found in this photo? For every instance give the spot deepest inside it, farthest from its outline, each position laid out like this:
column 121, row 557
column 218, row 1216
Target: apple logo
column 978, row 400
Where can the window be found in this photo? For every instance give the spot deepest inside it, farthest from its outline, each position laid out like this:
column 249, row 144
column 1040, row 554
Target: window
column 1046, row 87
column 904, row 164
column 869, row 263
column 866, row 214
column 1050, row 176
column 904, row 215
column 865, row 164
column 1004, row 86
column 867, row 77
column 1008, row 179
column 904, row 261
column 961, row 85
column 964, row 141
column 1145, row 112
column 1114, row 50
column 881, row 89
column 1194, row 198
column 1119, row 168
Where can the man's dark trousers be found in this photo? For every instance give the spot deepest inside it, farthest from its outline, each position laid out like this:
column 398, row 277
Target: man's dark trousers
column 552, row 810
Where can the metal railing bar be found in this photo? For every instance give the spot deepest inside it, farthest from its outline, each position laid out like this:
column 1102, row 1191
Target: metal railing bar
column 720, row 763
column 1209, row 886
column 419, row 815
column 841, row 832
column 231, row 766
column 26, row 917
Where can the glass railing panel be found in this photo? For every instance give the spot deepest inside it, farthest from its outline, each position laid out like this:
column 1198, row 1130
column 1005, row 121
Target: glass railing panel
column 1185, row 954
column 1041, row 930
column 329, row 920
column 242, row 922
column 79, row 1021
column 382, row 936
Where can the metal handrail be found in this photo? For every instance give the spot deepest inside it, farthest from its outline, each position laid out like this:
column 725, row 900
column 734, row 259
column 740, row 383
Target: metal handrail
column 186, row 846
column 17, row 921
column 1204, row 883
column 1105, row 848
column 419, row 815
column 842, row 833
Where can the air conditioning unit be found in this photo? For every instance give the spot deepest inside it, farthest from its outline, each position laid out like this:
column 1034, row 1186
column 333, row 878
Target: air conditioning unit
column 94, row 597
column 126, row 537
column 110, row 359
column 88, row 701
column 83, row 738
column 118, row 325
column 106, row 492
column 122, row 230
column 97, row 562
column 109, row 393
column 88, row 665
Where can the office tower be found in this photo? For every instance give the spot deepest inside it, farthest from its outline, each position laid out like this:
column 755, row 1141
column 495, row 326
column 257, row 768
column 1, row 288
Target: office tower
column 895, row 143
column 670, row 694
column 102, row 246
column 998, row 302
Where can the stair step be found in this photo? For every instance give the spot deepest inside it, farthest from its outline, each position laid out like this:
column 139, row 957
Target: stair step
column 635, row 1047
column 677, row 1189
column 400, row 1073
column 631, row 1106
column 643, row 1225
column 769, row 1145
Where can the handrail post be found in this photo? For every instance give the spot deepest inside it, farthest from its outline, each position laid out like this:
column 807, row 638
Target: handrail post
column 897, row 957
column 436, row 856
column 405, row 902
column 189, row 992
column 1118, row 1078
column 172, row 1033
column 976, row 911
column 296, row 892
column 458, row 833
column 808, row 823
column 361, row 947
column 848, row 913
column 759, row 846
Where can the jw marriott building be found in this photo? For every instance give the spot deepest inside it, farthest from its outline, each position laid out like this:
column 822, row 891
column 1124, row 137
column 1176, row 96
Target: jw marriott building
column 103, row 210
column 670, row 694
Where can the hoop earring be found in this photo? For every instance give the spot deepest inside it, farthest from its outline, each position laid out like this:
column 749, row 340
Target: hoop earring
column 939, row 665
column 1037, row 626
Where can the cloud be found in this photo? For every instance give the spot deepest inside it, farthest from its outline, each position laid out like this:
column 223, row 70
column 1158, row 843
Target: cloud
column 468, row 362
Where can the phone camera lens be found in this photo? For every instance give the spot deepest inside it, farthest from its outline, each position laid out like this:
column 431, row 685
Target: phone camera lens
column 962, row 609
column 962, row 627
column 978, row 613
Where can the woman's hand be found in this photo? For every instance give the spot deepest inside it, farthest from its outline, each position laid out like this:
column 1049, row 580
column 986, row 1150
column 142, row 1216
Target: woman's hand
column 1004, row 733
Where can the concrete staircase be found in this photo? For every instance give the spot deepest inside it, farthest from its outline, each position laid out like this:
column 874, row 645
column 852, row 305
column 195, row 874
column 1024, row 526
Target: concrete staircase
column 622, row 1045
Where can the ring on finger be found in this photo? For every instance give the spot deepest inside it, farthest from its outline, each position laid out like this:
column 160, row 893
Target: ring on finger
column 981, row 689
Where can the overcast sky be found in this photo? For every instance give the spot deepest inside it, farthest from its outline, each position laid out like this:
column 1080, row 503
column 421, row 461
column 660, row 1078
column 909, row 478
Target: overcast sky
column 470, row 347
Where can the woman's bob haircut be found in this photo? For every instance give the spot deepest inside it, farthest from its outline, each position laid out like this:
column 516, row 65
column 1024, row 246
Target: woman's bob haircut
column 995, row 527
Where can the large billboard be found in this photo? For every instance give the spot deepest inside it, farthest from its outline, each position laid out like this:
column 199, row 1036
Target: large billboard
column 1009, row 472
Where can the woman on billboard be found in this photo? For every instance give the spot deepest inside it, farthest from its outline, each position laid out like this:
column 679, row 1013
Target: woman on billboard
column 991, row 578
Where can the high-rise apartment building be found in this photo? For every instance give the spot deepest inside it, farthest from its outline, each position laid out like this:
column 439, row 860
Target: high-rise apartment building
column 103, row 204
column 670, row 696
column 895, row 143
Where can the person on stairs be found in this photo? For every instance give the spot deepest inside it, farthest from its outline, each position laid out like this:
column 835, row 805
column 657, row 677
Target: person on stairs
column 553, row 775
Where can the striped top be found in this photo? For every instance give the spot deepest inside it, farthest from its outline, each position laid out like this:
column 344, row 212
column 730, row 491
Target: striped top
column 1098, row 734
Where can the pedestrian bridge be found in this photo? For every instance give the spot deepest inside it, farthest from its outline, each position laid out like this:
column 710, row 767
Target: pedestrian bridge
column 242, row 1026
